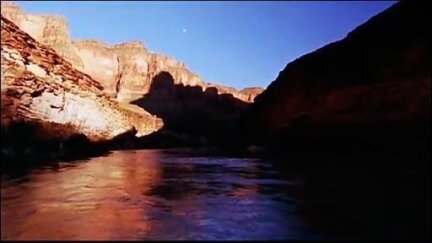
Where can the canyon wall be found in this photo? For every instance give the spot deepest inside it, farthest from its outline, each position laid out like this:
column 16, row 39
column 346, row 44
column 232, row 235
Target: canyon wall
column 373, row 84
column 125, row 70
column 191, row 116
column 40, row 87
column 51, row 31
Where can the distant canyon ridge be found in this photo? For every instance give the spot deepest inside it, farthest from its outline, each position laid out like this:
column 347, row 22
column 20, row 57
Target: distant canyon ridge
column 125, row 70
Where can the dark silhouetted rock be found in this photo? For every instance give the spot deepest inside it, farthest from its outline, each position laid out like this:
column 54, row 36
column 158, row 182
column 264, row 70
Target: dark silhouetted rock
column 374, row 86
column 191, row 116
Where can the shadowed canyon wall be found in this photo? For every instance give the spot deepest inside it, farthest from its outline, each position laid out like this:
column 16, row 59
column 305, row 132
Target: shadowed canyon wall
column 374, row 86
column 191, row 116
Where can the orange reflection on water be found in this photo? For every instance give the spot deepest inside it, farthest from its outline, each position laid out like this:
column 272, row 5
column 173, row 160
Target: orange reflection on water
column 97, row 200
column 248, row 191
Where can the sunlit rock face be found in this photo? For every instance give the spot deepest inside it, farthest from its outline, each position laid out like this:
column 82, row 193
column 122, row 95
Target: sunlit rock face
column 246, row 95
column 377, row 78
column 127, row 73
column 100, row 63
column 125, row 70
column 51, row 31
column 39, row 86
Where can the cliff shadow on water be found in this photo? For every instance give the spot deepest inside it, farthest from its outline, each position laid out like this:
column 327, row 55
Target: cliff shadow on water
column 26, row 145
column 191, row 116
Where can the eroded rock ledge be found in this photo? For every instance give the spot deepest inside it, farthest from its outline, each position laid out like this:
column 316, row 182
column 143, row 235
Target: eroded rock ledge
column 38, row 86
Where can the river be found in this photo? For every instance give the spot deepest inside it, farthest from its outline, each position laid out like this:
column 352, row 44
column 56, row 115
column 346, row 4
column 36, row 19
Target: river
column 160, row 195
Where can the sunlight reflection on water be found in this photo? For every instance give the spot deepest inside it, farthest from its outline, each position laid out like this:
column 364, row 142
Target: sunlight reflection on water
column 151, row 194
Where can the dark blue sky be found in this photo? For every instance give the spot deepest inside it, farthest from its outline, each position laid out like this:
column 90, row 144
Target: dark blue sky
column 233, row 43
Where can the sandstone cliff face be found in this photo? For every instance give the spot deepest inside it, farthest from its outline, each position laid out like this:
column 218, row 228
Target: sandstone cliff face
column 38, row 86
column 51, row 31
column 378, row 76
column 125, row 70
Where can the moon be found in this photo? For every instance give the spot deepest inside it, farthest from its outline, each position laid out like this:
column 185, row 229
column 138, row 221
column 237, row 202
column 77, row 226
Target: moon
column 184, row 30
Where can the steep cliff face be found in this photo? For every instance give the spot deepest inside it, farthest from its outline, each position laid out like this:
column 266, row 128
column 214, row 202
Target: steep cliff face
column 377, row 78
column 125, row 70
column 40, row 87
column 51, row 31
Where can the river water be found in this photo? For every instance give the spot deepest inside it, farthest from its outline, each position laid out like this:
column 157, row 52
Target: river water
column 157, row 195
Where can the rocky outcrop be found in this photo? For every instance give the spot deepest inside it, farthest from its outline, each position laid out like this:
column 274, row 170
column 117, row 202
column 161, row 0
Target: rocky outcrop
column 125, row 70
column 250, row 93
column 375, row 84
column 51, row 31
column 40, row 87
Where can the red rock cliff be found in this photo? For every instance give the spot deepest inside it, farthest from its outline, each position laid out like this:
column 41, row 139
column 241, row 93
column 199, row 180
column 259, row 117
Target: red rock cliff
column 51, row 31
column 38, row 86
column 125, row 70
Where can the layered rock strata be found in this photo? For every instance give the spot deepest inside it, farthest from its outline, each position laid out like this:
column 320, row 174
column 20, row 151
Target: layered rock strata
column 125, row 70
column 38, row 86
